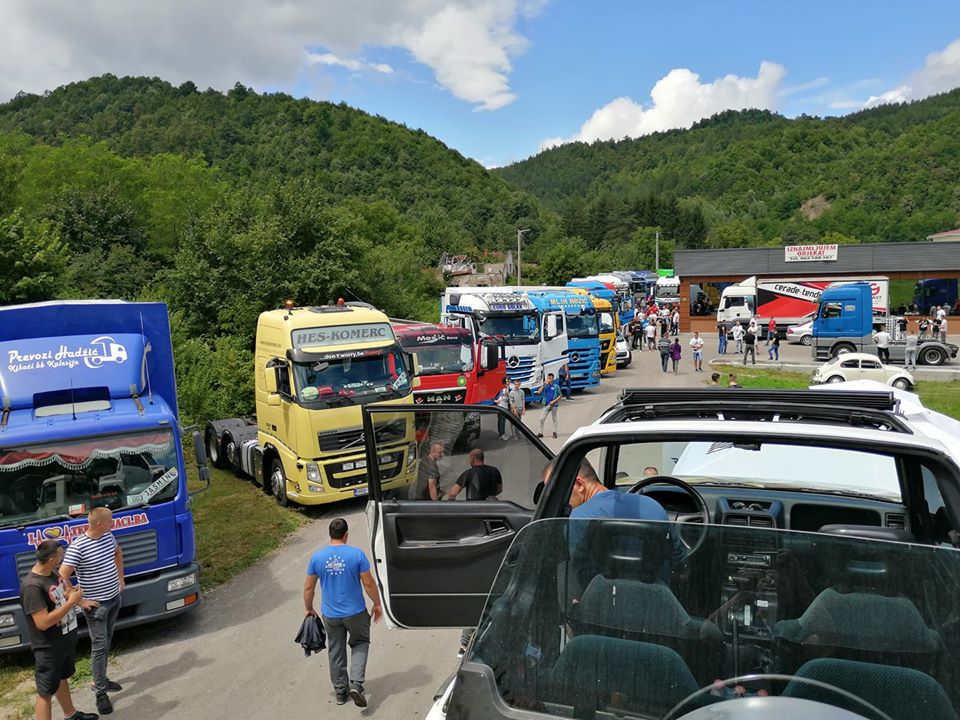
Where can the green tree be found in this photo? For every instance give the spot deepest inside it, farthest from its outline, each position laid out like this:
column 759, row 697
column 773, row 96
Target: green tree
column 32, row 260
column 563, row 261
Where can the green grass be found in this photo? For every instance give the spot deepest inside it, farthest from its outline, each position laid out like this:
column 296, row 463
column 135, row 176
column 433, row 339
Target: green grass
column 944, row 397
column 235, row 525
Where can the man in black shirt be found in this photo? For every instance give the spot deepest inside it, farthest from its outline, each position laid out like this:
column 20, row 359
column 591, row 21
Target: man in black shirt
column 481, row 481
column 50, row 604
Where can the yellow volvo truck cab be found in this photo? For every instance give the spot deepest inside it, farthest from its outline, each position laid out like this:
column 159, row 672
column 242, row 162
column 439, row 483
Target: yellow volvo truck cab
column 609, row 324
column 315, row 368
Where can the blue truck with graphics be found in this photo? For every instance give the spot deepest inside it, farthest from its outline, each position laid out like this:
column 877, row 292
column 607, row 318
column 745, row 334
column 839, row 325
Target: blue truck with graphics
column 89, row 419
column 583, row 332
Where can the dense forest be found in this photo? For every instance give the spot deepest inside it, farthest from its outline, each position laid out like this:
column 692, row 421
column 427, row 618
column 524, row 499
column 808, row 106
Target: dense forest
column 752, row 177
column 226, row 204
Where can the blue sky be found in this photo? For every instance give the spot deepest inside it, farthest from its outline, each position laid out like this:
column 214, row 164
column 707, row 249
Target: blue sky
column 499, row 79
column 581, row 56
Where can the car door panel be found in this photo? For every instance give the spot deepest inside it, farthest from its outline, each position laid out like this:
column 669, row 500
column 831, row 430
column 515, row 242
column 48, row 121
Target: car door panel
column 436, row 561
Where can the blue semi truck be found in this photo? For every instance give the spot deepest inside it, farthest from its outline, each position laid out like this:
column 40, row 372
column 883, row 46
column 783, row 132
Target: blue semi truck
column 89, row 419
column 583, row 332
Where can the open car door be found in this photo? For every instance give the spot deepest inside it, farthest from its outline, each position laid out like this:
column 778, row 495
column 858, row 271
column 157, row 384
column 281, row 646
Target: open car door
column 435, row 560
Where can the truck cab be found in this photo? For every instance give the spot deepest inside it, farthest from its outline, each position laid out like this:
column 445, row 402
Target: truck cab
column 667, row 291
column 796, row 556
column 534, row 343
column 314, row 369
column 583, row 332
column 625, row 295
column 738, row 302
column 609, row 326
column 89, row 419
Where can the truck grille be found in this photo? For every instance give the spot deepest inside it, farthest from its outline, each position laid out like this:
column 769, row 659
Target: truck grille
column 520, row 368
column 582, row 364
column 440, row 396
column 391, row 464
column 352, row 438
column 139, row 548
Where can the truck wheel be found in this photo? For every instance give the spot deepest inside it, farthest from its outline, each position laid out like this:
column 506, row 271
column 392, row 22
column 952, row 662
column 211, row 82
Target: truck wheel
column 278, row 483
column 806, row 340
column 215, row 450
column 842, row 349
column 836, row 379
column 932, row 356
column 901, row 384
column 232, row 452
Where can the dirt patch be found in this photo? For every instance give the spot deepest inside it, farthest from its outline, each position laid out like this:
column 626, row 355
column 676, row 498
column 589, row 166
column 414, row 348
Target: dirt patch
column 815, row 207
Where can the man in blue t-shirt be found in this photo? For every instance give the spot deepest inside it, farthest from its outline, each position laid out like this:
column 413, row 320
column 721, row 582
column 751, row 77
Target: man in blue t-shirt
column 344, row 573
column 550, row 397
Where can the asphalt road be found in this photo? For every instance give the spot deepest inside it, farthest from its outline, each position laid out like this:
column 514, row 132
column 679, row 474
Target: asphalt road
column 235, row 657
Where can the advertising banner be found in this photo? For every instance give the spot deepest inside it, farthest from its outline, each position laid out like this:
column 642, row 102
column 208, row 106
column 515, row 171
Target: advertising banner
column 810, row 253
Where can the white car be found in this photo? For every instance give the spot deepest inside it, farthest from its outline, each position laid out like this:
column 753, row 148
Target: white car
column 802, row 333
column 624, row 353
column 862, row 366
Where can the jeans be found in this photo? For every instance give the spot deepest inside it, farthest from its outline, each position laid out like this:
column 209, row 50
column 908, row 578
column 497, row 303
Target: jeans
column 722, row 345
column 697, row 360
column 884, row 354
column 750, row 351
column 564, row 383
column 358, row 627
column 774, row 352
column 739, row 346
column 550, row 410
column 100, row 622
column 910, row 359
column 676, row 364
column 501, row 425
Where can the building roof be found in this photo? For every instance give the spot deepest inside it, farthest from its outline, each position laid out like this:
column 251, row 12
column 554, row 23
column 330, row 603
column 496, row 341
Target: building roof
column 955, row 233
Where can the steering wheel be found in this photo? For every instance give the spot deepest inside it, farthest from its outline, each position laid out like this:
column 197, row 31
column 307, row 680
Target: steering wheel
column 701, row 516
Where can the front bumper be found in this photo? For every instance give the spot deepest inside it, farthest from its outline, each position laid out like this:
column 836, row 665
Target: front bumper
column 145, row 599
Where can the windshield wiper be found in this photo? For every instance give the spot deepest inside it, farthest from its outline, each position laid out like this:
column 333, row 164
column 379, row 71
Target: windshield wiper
column 53, row 518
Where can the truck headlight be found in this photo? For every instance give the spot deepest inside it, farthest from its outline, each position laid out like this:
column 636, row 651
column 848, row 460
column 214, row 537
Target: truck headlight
column 314, row 488
column 182, row 582
column 6, row 620
column 411, row 454
column 313, row 472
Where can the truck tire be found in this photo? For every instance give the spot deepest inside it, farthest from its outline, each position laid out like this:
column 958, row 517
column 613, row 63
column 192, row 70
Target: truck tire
column 231, row 451
column 215, row 452
column 933, row 356
column 806, row 340
column 278, row 483
column 842, row 349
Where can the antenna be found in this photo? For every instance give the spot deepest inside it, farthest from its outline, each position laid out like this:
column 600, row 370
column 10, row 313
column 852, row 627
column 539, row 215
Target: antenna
column 147, row 347
column 73, row 402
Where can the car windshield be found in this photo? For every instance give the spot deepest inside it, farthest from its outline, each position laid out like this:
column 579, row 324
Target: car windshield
column 444, row 358
column 606, row 322
column 513, row 329
column 767, row 465
column 356, row 376
column 583, row 326
column 619, row 627
column 72, row 477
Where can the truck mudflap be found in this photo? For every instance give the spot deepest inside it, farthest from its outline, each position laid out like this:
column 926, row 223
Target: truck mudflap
column 146, row 599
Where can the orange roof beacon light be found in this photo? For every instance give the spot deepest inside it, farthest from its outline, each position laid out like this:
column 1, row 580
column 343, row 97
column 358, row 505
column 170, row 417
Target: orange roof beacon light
column 289, row 304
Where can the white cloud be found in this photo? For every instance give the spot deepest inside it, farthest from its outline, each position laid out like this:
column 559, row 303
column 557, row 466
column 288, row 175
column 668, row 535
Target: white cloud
column 468, row 44
column 803, row 87
column 348, row 63
column 940, row 73
column 679, row 100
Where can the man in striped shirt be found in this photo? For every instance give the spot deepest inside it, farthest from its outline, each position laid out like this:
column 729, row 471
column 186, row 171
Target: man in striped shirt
column 98, row 562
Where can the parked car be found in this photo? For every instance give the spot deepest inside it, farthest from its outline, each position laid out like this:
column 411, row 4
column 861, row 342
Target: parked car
column 802, row 333
column 805, row 564
column 862, row 366
column 624, row 353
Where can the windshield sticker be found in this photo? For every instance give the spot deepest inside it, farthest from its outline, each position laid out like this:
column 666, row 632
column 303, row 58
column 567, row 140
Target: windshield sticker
column 69, row 532
column 309, row 393
column 346, row 355
column 400, row 381
column 342, row 335
column 153, row 488
column 461, row 381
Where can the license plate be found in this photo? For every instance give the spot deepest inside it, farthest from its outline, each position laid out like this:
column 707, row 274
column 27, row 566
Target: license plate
column 361, row 490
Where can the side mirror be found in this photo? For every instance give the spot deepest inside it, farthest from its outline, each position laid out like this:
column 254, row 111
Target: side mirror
column 552, row 328
column 270, row 376
column 411, row 364
column 200, row 452
column 490, row 356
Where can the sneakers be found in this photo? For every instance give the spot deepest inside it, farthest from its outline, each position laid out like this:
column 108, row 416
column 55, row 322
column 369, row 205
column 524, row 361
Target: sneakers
column 104, row 706
column 83, row 716
column 359, row 698
column 539, row 434
column 554, row 434
column 342, row 698
column 114, row 686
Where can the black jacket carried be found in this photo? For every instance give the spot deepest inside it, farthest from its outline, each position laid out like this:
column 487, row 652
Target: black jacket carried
column 311, row 637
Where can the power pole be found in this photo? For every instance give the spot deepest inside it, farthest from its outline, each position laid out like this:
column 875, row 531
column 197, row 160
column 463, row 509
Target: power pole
column 519, row 236
column 657, row 261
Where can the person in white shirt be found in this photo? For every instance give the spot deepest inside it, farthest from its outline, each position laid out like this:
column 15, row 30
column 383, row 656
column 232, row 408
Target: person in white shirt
column 943, row 329
column 696, row 344
column 675, row 322
column 910, row 351
column 738, row 337
column 754, row 326
column 650, row 331
column 941, row 313
column 882, row 339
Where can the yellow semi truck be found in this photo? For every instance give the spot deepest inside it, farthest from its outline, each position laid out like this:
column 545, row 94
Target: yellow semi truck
column 314, row 368
column 609, row 324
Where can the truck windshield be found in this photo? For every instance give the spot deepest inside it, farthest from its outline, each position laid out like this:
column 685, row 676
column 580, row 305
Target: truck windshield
column 514, row 329
column 443, row 358
column 606, row 322
column 583, row 326
column 73, row 477
column 599, row 619
column 351, row 377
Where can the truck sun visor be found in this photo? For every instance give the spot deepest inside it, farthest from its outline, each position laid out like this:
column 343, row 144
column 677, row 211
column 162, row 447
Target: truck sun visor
column 36, row 367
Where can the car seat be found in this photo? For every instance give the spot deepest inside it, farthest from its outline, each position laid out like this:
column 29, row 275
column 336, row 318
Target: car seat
column 900, row 693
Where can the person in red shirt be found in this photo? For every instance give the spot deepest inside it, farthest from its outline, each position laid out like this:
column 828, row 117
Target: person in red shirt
column 771, row 330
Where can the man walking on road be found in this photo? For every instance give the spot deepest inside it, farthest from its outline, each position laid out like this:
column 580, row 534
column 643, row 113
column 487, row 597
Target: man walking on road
column 650, row 332
column 518, row 405
column 344, row 575
column 750, row 346
column 738, row 337
column 550, row 397
column 502, row 400
column 98, row 561
column 722, row 338
column 50, row 605
column 696, row 344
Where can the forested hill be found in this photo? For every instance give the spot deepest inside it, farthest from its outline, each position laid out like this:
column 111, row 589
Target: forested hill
column 889, row 173
column 265, row 139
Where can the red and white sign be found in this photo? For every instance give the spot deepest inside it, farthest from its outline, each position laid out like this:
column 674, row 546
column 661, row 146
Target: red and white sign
column 809, row 253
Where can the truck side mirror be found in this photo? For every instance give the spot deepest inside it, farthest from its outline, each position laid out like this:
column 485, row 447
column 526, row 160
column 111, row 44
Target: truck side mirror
column 552, row 329
column 200, row 452
column 490, row 357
